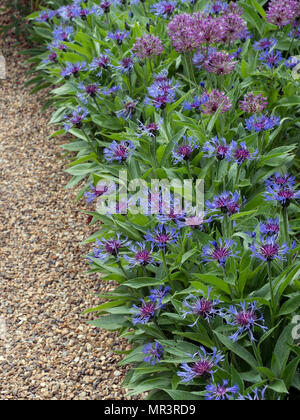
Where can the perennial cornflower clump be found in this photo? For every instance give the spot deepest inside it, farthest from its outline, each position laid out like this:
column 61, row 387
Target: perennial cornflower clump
column 182, row 126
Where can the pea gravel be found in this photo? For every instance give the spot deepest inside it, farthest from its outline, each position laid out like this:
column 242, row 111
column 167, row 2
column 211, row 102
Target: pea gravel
column 47, row 351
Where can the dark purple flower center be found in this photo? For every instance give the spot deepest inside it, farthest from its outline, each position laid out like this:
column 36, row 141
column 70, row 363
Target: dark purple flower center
column 241, row 155
column 202, row 368
column 112, row 247
column 147, row 310
column 162, row 238
column 221, row 152
column 245, row 318
column 168, row 9
column 121, row 151
column 91, row 90
column 270, row 251
column 204, row 307
column 221, row 390
column 220, row 254
column 185, row 151
column 152, row 128
column 144, row 257
column 101, row 191
column 272, row 228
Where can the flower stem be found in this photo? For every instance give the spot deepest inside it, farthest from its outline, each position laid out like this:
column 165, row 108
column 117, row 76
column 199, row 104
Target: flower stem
column 286, row 225
column 272, row 310
column 163, row 254
column 122, row 268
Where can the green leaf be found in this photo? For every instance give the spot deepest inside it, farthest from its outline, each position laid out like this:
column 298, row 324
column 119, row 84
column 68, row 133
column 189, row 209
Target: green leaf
column 290, row 306
column 109, row 322
column 238, row 350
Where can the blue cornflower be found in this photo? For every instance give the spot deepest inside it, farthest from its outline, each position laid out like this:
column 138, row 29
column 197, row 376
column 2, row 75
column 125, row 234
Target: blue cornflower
column 269, row 250
column 219, row 252
column 159, row 294
column 126, row 65
column 102, row 188
column 227, row 202
column 151, row 129
column 291, row 63
column 184, row 150
column 284, row 195
column 162, row 236
column 109, row 247
column 87, row 91
column 45, row 15
column 258, row 395
column 99, row 64
column 245, row 317
column 201, row 307
column 216, row 147
column 161, row 92
column 61, row 33
column 270, row 228
column 118, row 36
column 76, row 119
column 179, row 219
column 196, row 104
column 164, row 8
column 265, row 44
column 73, row 69
column 119, row 152
column 203, row 366
column 141, row 255
column 199, row 58
column 145, row 312
column 221, row 392
column 215, row 7
column 295, row 33
column 239, row 153
column 110, row 90
column 128, row 110
column 237, row 53
column 260, row 122
column 282, row 181
column 52, row 58
column 245, row 35
column 154, row 352
column 70, row 12
column 271, row 59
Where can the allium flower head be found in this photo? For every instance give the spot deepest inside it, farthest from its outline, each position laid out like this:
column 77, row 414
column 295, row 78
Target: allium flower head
column 221, row 392
column 142, row 256
column 76, row 119
column 232, row 26
column 220, row 63
column 271, row 59
column 219, row 251
column 162, row 236
column 283, row 12
column 164, row 8
column 216, row 147
column 148, row 46
column 216, row 100
column 245, row 317
column 260, row 122
column 254, row 104
column 109, row 247
column 239, row 153
column 181, row 32
column 184, row 150
column 120, row 152
column 227, row 203
column 265, row 44
column 270, row 228
column 204, row 365
column 201, row 307
column 153, row 352
column 269, row 250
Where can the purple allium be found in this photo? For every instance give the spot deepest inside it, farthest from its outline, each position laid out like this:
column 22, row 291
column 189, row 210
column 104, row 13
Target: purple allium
column 219, row 252
column 232, row 26
column 227, row 203
column 182, row 32
column 161, row 92
column 118, row 36
column 215, row 7
column 145, row 312
column 207, row 30
column 109, row 247
column 73, row 70
column 162, row 236
column 239, row 153
column 141, row 255
column 253, row 104
column 196, row 104
column 284, row 196
column 148, row 46
column 201, row 307
column 76, row 119
column 128, row 110
column 220, row 63
column 281, row 181
column 245, row 317
column 269, row 250
column 159, row 294
column 126, row 65
column 260, row 122
column 271, row 59
column 87, row 91
column 119, row 152
column 258, row 395
column 154, row 353
column 265, row 44
column 216, row 100
column 216, row 147
column 164, row 8
column 98, row 191
column 270, row 228
column 184, row 150
column 99, row 64
column 283, row 12
column 203, row 366
column 150, row 129
column 61, row 33
column 221, row 392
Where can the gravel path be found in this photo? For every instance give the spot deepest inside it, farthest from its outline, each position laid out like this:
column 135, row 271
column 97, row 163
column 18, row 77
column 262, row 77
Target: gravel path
column 47, row 351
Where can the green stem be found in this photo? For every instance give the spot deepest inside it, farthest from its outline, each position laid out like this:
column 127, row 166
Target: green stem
column 188, row 167
column 238, row 174
column 89, row 140
column 122, row 268
column 163, row 254
column 272, row 293
column 286, row 225
column 97, row 105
